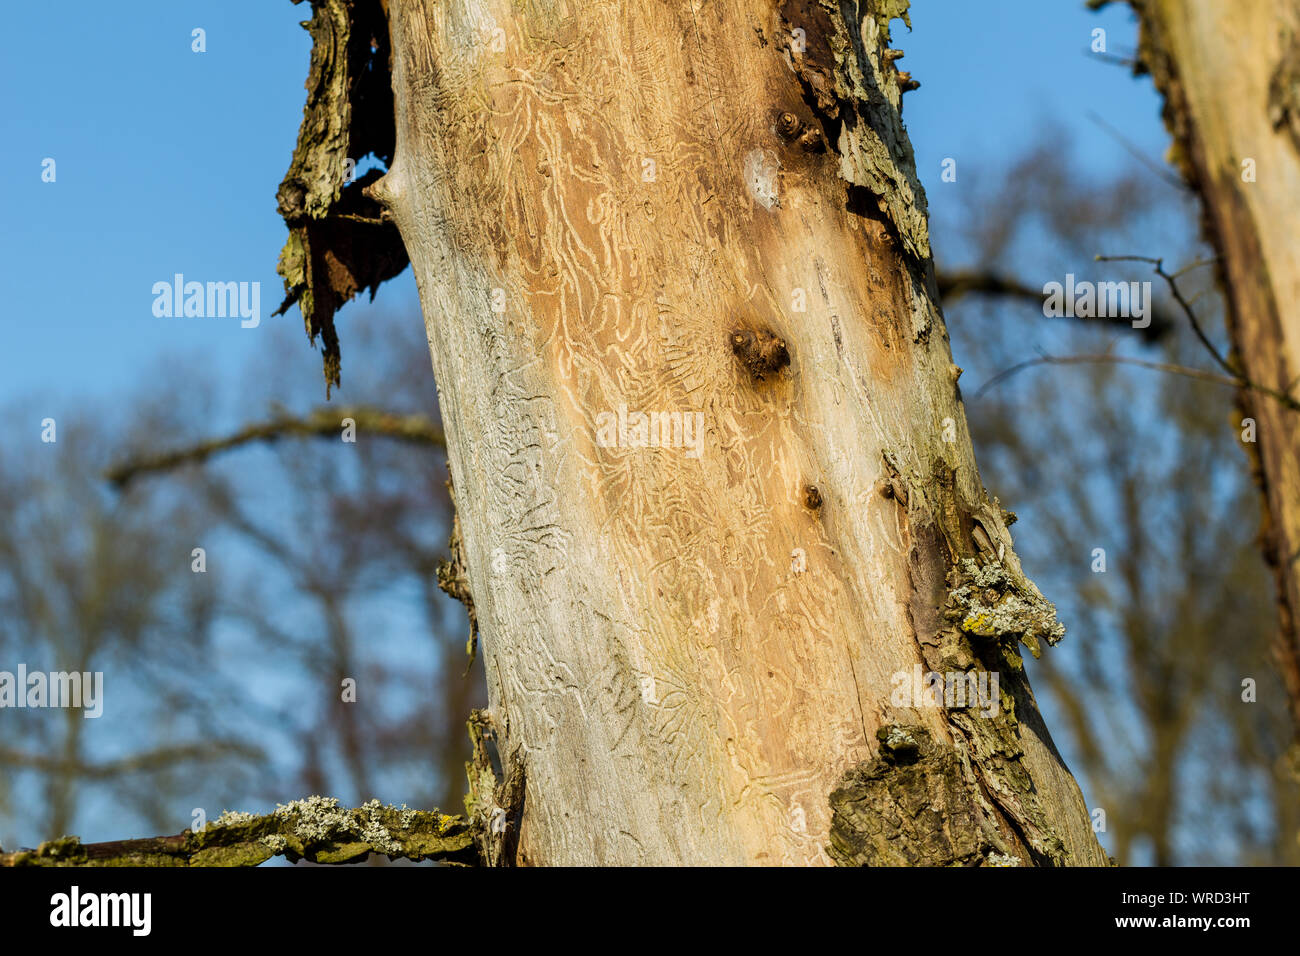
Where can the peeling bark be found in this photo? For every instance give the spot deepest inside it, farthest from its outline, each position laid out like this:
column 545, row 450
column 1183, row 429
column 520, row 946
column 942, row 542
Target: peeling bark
column 339, row 240
column 497, row 788
column 912, row 806
column 452, row 579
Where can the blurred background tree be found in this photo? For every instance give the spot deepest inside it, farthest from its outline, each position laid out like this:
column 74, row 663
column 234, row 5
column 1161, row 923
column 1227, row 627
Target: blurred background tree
column 321, row 560
column 1147, row 691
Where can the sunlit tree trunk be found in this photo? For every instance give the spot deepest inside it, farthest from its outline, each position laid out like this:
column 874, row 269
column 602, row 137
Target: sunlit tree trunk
column 1230, row 74
column 701, row 642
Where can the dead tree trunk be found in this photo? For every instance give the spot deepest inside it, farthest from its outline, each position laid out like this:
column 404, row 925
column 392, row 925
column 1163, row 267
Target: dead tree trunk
column 1229, row 71
column 718, row 503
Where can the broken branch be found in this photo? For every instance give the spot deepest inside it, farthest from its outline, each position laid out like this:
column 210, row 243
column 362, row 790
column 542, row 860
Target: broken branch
column 316, row 829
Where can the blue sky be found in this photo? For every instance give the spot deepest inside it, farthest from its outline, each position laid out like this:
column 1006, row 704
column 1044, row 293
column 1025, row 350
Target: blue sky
column 168, row 160
column 994, row 74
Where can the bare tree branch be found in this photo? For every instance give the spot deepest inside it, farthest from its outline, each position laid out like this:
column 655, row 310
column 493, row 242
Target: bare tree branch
column 321, row 423
column 150, row 761
column 1196, row 373
column 1128, row 62
column 1233, row 378
column 953, row 285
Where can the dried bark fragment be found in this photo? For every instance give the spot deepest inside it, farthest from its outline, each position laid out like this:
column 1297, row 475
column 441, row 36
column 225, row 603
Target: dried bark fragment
column 497, row 787
column 985, row 595
column 340, row 240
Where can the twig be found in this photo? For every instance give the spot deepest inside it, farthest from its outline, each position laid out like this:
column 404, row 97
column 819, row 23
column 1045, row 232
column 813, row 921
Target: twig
column 1112, row 59
column 1186, row 306
column 1136, row 153
column 1229, row 380
column 368, row 220
column 162, row 758
column 1197, row 264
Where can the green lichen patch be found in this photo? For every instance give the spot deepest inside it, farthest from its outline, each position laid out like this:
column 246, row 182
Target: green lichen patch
column 318, row 829
column 242, row 854
column 990, row 601
column 67, row 849
column 68, row 846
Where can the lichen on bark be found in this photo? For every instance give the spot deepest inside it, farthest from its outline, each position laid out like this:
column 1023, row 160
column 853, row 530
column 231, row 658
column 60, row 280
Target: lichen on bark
column 991, row 602
column 971, row 620
column 316, row 829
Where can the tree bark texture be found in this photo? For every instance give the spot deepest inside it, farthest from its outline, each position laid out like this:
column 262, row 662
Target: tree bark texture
column 712, row 208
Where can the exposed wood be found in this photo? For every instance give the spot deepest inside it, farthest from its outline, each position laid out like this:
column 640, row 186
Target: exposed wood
column 686, row 208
